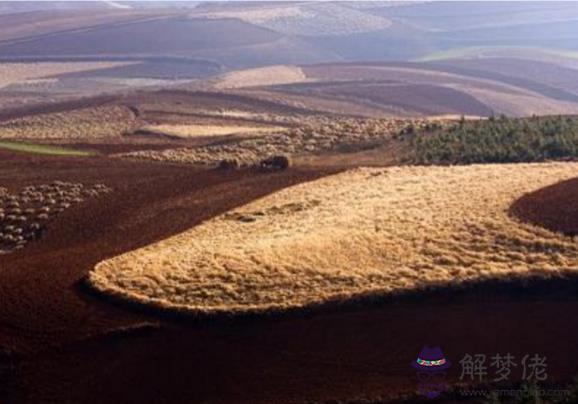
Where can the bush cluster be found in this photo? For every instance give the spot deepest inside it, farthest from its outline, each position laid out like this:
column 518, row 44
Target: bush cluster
column 499, row 140
column 23, row 216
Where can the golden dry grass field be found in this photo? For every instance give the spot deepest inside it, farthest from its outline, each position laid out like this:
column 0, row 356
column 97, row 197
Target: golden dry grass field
column 195, row 131
column 361, row 233
column 90, row 123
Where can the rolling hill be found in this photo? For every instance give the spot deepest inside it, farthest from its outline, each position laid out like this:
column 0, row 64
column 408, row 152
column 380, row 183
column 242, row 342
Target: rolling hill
column 356, row 58
column 479, row 88
column 312, row 32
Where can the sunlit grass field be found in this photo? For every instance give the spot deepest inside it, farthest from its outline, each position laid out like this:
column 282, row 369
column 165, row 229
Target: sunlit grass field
column 366, row 232
column 196, row 131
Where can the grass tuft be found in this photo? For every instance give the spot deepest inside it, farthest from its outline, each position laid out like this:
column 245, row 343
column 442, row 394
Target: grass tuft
column 42, row 149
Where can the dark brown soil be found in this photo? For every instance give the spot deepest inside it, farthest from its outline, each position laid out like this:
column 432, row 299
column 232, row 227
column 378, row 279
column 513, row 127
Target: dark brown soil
column 149, row 202
column 417, row 98
column 554, row 207
column 143, row 141
column 59, row 343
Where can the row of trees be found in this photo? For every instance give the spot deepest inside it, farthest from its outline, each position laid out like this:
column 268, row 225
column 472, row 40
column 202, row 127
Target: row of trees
column 500, row 140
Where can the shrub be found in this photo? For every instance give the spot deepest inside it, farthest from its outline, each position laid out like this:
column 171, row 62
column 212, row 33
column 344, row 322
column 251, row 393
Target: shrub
column 229, row 164
column 276, row 163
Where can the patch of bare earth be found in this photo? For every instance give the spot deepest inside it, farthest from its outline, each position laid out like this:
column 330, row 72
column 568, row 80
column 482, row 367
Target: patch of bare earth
column 554, row 207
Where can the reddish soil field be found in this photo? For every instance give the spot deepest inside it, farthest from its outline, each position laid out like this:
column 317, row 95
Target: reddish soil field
column 421, row 98
column 150, row 201
column 554, row 207
column 157, row 70
column 60, row 343
column 62, row 106
column 155, row 105
column 165, row 35
column 43, row 23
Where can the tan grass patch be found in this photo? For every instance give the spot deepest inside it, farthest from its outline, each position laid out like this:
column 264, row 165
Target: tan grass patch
column 88, row 123
column 262, row 76
column 363, row 232
column 193, row 131
column 21, row 72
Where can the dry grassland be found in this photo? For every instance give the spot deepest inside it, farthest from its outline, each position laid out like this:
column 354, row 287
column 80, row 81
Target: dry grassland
column 11, row 73
column 85, row 124
column 262, row 76
column 194, row 131
column 366, row 232
column 315, row 135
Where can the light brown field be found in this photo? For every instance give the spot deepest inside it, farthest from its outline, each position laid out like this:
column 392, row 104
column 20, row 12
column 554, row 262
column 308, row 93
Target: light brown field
column 365, row 232
column 88, row 123
column 262, row 76
column 194, row 131
column 11, row 73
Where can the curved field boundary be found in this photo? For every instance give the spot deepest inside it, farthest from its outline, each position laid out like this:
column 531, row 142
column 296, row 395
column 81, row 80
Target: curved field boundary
column 361, row 234
column 62, row 106
column 553, row 207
